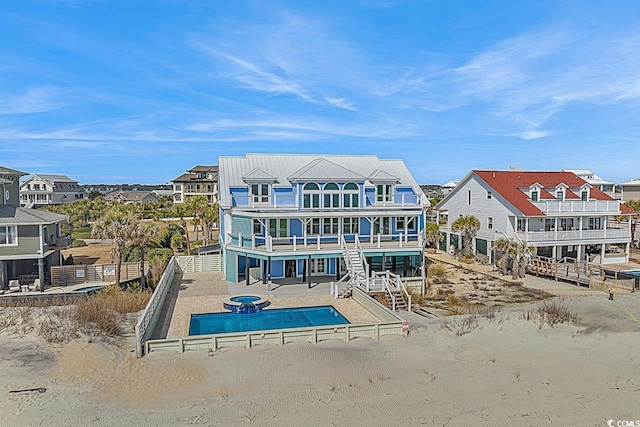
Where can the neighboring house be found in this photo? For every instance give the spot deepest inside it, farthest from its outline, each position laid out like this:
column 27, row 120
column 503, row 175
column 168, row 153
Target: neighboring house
column 607, row 187
column 200, row 180
column 30, row 239
column 558, row 213
column 297, row 216
column 40, row 190
column 132, row 196
column 631, row 190
column 446, row 188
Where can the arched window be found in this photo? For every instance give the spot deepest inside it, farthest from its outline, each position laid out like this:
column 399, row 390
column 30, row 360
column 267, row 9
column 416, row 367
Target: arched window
column 331, row 195
column 311, row 195
column 350, row 196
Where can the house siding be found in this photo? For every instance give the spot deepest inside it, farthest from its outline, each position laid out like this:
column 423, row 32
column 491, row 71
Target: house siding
column 28, row 242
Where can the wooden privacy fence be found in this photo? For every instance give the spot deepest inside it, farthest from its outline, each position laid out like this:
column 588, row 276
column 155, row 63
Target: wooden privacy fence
column 66, row 275
column 611, row 284
column 200, row 263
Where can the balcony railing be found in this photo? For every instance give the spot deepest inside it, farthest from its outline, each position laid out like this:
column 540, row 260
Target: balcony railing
column 307, row 243
column 592, row 206
column 541, row 236
column 289, row 200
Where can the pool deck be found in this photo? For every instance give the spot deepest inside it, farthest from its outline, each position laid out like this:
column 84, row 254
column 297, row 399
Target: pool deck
column 205, row 292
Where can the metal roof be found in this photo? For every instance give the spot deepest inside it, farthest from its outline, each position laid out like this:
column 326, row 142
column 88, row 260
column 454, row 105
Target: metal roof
column 52, row 178
column 318, row 167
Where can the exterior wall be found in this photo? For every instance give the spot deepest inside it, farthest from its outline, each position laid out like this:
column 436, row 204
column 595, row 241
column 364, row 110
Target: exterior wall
column 630, row 192
column 482, row 208
column 13, row 189
column 28, row 242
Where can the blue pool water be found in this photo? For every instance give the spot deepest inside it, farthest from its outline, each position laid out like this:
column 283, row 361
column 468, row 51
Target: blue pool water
column 633, row 273
column 281, row 318
column 245, row 300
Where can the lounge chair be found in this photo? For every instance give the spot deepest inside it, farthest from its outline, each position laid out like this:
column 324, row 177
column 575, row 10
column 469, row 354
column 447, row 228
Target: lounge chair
column 35, row 286
column 14, row 286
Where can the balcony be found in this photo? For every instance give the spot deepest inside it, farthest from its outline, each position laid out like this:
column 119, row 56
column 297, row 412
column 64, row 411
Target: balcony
column 60, row 242
column 281, row 245
column 290, row 201
column 577, row 235
column 611, row 207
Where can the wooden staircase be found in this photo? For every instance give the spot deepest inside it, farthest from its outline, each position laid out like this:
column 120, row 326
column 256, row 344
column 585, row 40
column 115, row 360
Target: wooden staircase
column 401, row 302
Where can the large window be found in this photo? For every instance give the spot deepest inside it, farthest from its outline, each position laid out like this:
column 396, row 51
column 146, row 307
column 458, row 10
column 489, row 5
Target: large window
column 410, row 224
column 330, row 226
column 278, row 227
column 331, row 195
column 384, row 193
column 311, row 195
column 350, row 195
column 350, row 225
column 381, row 225
column 257, row 227
column 560, row 194
column 260, row 193
column 313, row 227
column 549, row 224
column 8, row 235
column 595, row 223
column 522, row 225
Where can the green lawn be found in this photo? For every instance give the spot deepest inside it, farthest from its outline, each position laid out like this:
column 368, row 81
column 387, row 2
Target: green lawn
column 82, row 233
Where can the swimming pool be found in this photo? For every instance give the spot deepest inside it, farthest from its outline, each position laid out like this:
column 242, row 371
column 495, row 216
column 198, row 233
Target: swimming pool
column 280, row 318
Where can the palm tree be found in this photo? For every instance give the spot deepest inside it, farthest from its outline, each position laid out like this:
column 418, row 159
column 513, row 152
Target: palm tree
column 432, row 234
column 142, row 233
column 469, row 226
column 181, row 210
column 502, row 245
column 118, row 225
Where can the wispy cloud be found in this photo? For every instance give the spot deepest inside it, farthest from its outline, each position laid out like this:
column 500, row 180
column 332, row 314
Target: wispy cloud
column 34, row 100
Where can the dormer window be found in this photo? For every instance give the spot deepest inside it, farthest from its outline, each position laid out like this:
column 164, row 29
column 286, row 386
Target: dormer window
column 584, row 193
column 560, row 194
column 260, row 193
column 535, row 195
column 384, row 193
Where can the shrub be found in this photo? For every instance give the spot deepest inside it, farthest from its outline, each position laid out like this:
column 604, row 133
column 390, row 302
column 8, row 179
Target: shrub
column 77, row 243
column 438, row 273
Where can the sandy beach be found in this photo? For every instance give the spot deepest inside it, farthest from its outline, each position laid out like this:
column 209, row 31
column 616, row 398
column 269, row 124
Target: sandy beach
column 506, row 371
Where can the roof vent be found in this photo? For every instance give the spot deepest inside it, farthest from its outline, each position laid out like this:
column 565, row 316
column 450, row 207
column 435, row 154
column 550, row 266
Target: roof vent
column 494, row 174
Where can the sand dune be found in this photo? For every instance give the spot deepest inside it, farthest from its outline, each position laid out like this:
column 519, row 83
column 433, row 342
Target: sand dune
column 507, row 371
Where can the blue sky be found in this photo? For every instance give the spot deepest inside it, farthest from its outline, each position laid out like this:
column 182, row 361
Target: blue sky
column 140, row 91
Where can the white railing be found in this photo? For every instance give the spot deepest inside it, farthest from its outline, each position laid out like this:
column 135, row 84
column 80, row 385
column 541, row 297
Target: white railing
column 278, row 337
column 606, row 233
column 554, row 206
column 399, row 284
column 295, row 243
column 148, row 319
column 363, row 260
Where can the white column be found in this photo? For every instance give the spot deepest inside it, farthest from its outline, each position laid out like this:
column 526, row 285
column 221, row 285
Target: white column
column 602, row 251
column 554, row 252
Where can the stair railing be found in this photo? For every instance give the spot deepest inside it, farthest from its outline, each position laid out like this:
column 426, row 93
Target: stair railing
column 363, row 259
column 399, row 284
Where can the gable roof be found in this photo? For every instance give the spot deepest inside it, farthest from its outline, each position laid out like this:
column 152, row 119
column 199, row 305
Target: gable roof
column 382, row 176
column 511, row 186
column 322, row 168
column 52, row 179
column 259, row 175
